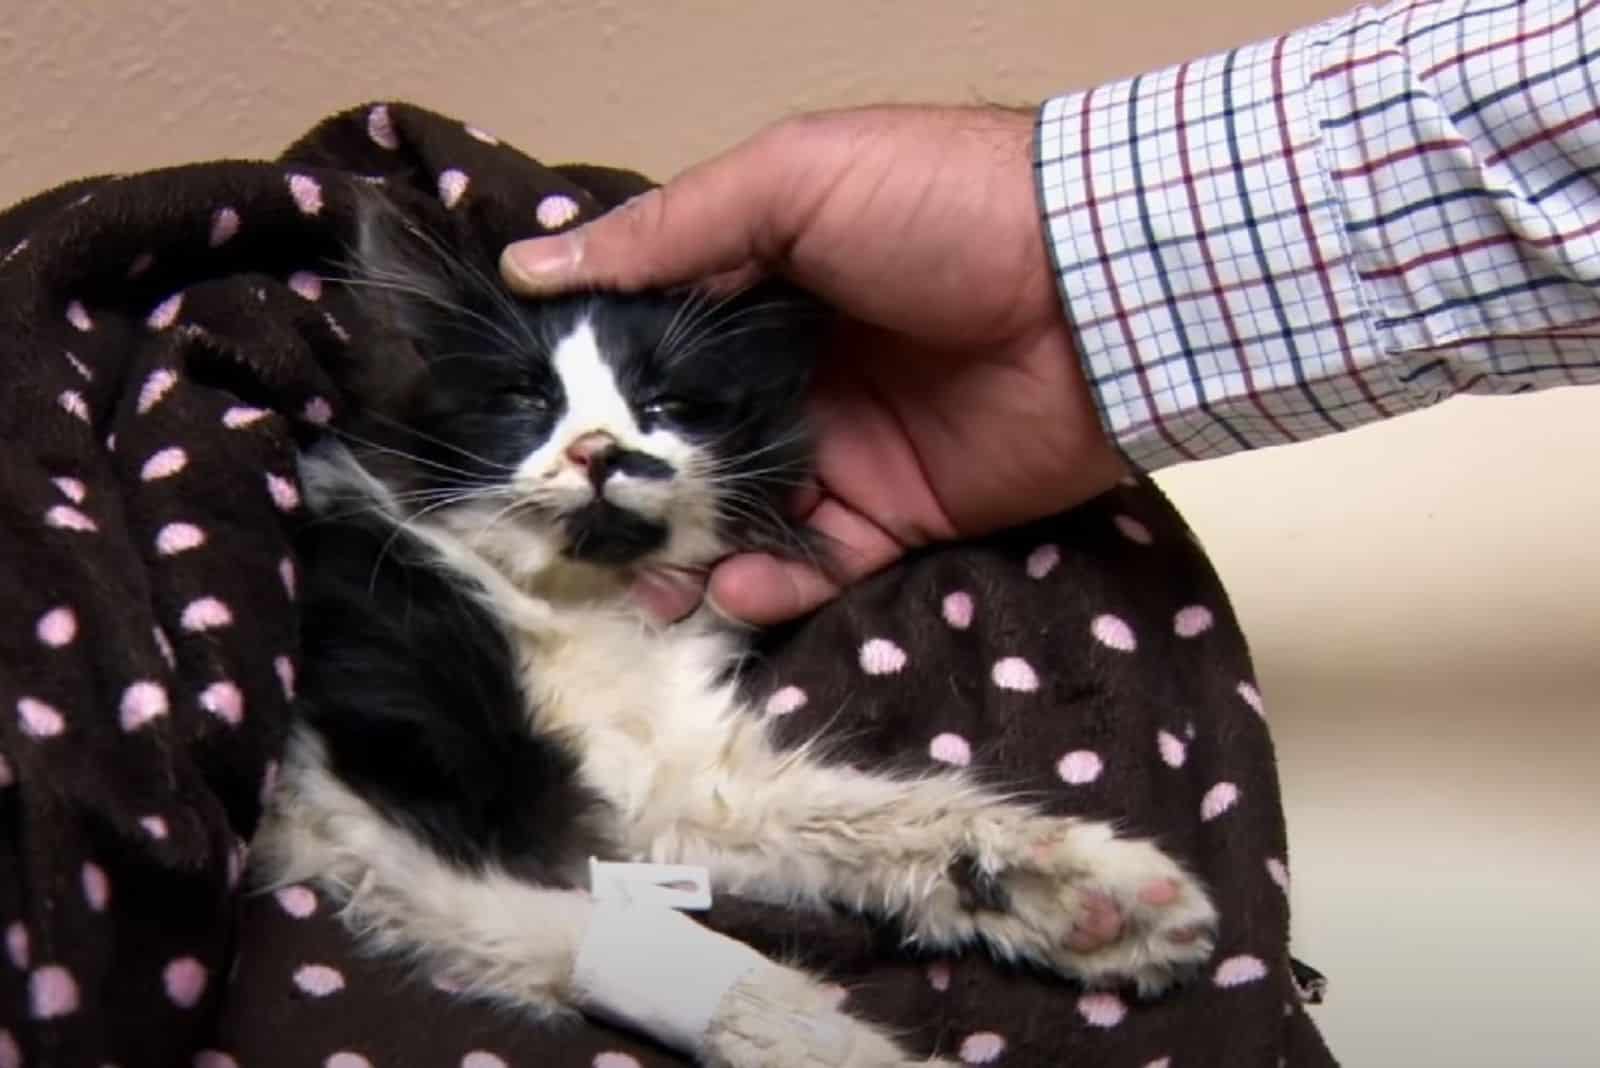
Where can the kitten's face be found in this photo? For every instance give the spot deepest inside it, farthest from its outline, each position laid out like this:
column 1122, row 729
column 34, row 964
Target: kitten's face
column 619, row 432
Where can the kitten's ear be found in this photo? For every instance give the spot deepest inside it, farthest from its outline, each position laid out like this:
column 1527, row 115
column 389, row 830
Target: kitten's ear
column 404, row 278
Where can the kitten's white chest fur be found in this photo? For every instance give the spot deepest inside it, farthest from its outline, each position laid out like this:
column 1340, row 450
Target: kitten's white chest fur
column 646, row 707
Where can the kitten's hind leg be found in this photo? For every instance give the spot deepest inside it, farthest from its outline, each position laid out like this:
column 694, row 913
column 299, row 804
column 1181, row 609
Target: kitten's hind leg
column 554, row 952
column 951, row 861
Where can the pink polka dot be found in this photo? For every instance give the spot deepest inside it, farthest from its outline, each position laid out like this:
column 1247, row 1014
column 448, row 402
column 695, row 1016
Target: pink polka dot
column 452, row 186
column 225, row 701
column 157, row 386
column 298, row 901
column 73, row 404
column 950, row 749
column 1236, row 971
column 982, row 1047
column 1015, row 673
column 155, row 827
column 880, row 656
column 938, row 974
column 213, row 1058
column 1160, row 1062
column 1101, row 1010
column 481, row 135
column 1043, row 560
column 346, row 1059
column 1172, row 748
column 52, row 992
column 1191, row 622
column 165, row 314
column 143, row 702
column 7, row 776
column 79, row 366
column 318, row 980
column 318, row 411
column 224, row 224
column 307, row 193
column 164, row 647
column 96, row 887
column 285, row 669
column 1219, row 799
column 175, row 538
column 185, row 980
column 613, row 1059
column 38, row 719
column 284, row 494
column 481, row 1058
column 556, row 211
column 17, row 945
column 1133, row 530
column 1278, row 872
column 957, row 610
column 78, row 316
column 206, row 613
column 306, row 285
column 787, row 700
column 1079, row 767
column 239, row 417
column 164, row 464
column 10, row 1053
column 286, row 575
column 1114, row 633
column 57, row 627
column 380, row 127
column 1252, row 697
column 72, row 489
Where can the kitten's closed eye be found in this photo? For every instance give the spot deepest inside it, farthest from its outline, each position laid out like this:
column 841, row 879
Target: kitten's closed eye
column 673, row 409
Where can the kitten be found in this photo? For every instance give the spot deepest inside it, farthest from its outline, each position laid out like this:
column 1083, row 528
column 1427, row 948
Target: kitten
column 483, row 709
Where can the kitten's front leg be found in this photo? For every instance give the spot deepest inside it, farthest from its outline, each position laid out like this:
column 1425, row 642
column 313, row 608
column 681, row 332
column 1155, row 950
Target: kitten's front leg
column 951, row 861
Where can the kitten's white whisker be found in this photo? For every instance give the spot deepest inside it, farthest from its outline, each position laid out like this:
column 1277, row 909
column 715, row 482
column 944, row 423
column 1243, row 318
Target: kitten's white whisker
column 468, row 453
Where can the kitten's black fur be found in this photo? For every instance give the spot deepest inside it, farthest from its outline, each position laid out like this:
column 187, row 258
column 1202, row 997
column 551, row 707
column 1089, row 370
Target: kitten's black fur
column 408, row 678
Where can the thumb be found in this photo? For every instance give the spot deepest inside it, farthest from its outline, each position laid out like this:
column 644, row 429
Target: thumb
column 716, row 217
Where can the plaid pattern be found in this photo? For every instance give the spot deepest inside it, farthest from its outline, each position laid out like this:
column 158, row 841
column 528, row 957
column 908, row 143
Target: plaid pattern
column 1344, row 223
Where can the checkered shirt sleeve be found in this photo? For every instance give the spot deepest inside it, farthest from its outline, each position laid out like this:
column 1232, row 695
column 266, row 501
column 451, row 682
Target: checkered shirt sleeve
column 1345, row 223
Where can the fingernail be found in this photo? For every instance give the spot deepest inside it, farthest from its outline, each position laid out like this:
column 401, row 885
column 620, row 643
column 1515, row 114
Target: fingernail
column 544, row 260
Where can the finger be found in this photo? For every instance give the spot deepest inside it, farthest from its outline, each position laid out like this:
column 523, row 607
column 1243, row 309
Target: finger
column 713, row 219
column 761, row 589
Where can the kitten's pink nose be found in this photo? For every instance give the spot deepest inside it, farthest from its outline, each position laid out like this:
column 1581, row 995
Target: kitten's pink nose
column 582, row 449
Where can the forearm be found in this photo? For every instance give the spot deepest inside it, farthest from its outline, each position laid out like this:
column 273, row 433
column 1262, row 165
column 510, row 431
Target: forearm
column 1338, row 225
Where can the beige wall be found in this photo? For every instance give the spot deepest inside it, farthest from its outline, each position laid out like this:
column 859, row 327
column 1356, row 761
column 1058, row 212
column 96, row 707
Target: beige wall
column 1424, row 597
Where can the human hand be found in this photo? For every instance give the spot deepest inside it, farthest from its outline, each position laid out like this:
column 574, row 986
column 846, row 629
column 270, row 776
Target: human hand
column 952, row 402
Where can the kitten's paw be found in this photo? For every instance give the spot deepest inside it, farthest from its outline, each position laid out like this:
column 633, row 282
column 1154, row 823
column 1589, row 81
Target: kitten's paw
column 778, row 1017
column 1074, row 897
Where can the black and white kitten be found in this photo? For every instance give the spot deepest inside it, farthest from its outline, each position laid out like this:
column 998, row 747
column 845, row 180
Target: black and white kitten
column 483, row 708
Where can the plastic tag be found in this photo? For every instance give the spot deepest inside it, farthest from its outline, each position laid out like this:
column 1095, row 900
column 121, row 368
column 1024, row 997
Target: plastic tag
column 674, row 886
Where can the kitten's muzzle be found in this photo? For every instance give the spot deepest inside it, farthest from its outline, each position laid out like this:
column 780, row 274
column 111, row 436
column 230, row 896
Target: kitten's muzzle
column 609, row 530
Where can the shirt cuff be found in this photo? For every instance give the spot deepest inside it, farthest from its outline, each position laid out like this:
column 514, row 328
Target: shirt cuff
column 1201, row 258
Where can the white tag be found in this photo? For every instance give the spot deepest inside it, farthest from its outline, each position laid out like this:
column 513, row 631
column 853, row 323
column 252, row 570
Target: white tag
column 673, row 886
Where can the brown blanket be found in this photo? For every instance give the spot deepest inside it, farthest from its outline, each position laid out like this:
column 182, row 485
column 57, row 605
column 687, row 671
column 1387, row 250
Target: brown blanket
column 168, row 339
